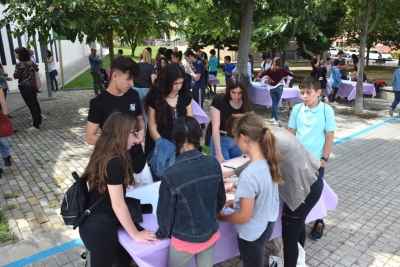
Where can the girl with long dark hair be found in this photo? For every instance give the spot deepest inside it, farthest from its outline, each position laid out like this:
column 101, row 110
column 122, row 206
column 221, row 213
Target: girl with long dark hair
column 52, row 70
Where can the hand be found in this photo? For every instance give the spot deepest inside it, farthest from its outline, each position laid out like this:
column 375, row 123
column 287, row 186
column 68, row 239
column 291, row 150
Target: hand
column 323, row 163
column 9, row 79
column 227, row 174
column 139, row 137
column 220, row 158
column 228, row 186
column 145, row 236
column 221, row 216
column 229, row 204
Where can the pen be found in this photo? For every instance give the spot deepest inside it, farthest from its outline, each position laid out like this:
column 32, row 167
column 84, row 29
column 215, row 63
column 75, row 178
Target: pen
column 229, row 167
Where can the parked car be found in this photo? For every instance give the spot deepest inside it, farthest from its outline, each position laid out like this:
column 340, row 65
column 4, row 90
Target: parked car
column 377, row 54
column 352, row 51
column 159, row 42
column 333, row 51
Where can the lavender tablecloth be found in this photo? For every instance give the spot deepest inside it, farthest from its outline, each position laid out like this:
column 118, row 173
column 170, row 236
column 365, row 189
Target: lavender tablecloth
column 262, row 96
column 212, row 79
column 199, row 113
column 348, row 89
column 226, row 247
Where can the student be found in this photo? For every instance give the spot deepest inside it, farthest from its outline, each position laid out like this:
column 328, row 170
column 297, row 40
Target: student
column 188, row 204
column 109, row 172
column 120, row 52
column 228, row 68
column 315, row 62
column 396, row 89
column 342, row 65
column 313, row 124
column 167, row 100
column 52, row 70
column 335, row 81
column 235, row 100
column 198, row 74
column 213, row 60
column 176, row 57
column 321, row 75
column 256, row 201
column 168, row 54
column 276, row 74
column 162, row 62
column 266, row 64
column 301, row 190
column 119, row 97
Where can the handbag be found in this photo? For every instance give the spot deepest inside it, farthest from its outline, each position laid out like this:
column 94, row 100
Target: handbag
column 56, row 72
column 5, row 126
column 277, row 261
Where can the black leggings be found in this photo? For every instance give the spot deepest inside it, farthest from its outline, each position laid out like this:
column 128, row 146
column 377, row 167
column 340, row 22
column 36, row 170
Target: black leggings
column 99, row 234
column 29, row 94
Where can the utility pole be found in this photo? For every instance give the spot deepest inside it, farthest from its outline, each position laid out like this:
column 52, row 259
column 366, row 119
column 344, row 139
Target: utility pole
column 61, row 64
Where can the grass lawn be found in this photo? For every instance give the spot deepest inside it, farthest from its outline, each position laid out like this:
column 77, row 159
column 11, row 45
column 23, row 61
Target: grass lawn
column 6, row 233
column 85, row 80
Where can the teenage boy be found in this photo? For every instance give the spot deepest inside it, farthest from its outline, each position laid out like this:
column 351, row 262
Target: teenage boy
column 266, row 64
column 228, row 68
column 335, row 80
column 396, row 89
column 321, row 74
column 342, row 65
column 118, row 97
column 315, row 62
column 313, row 124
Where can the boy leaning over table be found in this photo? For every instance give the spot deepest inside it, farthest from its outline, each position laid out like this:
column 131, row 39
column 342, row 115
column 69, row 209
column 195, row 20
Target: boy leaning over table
column 313, row 124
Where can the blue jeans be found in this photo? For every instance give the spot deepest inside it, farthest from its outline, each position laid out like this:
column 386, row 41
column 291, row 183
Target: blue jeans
column 142, row 94
column 53, row 79
column 5, row 149
column 396, row 99
column 276, row 95
column 229, row 148
column 293, row 222
column 252, row 252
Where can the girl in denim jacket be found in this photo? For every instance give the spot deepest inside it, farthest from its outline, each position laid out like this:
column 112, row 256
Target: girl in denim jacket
column 191, row 195
column 256, row 201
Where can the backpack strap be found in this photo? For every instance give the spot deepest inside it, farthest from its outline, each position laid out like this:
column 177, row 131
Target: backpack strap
column 88, row 211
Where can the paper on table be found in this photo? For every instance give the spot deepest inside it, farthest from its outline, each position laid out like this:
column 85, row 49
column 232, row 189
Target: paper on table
column 234, row 163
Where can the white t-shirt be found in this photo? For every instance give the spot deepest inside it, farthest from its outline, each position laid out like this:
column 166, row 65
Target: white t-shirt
column 52, row 65
column 266, row 65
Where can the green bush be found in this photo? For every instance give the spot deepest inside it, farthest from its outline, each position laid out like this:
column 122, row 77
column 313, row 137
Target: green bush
column 395, row 54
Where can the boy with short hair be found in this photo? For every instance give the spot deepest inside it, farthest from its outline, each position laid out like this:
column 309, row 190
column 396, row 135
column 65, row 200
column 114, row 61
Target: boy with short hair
column 228, row 68
column 313, row 124
column 321, row 75
column 335, row 80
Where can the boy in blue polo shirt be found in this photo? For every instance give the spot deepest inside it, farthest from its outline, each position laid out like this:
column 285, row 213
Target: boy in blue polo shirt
column 313, row 124
column 228, row 68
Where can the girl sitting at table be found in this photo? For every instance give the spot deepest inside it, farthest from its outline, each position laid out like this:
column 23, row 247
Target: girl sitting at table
column 236, row 99
column 109, row 172
column 167, row 100
column 256, row 201
column 276, row 74
column 191, row 195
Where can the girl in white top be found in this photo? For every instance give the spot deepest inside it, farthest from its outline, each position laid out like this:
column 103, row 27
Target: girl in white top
column 52, row 70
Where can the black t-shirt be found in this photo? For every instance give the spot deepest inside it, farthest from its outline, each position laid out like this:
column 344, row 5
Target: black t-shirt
column 321, row 72
column 314, row 69
column 105, row 104
column 115, row 176
column 223, row 105
column 166, row 130
column 144, row 79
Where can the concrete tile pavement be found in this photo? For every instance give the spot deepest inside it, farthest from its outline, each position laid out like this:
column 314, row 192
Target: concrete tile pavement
column 363, row 231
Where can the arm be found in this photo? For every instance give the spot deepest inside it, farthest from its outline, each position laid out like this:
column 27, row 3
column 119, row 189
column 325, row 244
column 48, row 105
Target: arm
column 152, row 125
column 292, row 131
column 317, row 64
column 189, row 110
column 91, row 132
column 196, row 76
column 153, row 77
column 343, row 66
column 124, row 217
column 327, row 147
column 216, row 122
column 243, row 215
column 3, row 103
column 51, row 59
column 140, row 129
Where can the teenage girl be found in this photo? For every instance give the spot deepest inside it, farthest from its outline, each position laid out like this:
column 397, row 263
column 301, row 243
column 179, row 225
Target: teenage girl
column 256, row 201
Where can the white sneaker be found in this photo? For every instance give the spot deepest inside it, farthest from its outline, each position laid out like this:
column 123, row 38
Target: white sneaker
column 272, row 120
column 43, row 117
column 334, row 103
column 275, row 123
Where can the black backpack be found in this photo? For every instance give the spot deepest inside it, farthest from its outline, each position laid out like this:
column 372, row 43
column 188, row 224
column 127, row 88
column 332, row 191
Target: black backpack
column 74, row 206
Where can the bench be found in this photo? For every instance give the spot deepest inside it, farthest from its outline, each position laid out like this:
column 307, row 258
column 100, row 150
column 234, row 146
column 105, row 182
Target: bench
column 379, row 62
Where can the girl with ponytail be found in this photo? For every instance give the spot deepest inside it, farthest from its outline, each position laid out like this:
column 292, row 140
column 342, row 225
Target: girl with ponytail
column 256, row 201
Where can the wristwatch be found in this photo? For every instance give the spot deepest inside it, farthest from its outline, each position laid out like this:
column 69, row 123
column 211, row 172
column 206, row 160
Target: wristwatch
column 325, row 159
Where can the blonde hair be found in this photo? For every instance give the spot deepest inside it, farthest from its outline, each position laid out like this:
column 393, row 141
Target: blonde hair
column 252, row 126
column 322, row 62
column 145, row 55
column 276, row 64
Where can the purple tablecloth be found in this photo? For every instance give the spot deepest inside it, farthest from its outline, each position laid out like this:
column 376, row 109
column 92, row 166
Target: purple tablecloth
column 212, row 79
column 199, row 113
column 348, row 89
column 226, row 247
column 262, row 96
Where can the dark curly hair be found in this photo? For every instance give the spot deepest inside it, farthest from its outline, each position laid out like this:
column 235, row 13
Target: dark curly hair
column 161, row 88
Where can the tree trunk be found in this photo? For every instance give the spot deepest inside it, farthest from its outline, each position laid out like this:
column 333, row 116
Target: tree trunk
column 245, row 37
column 368, row 49
column 283, row 57
column 110, row 44
column 133, row 47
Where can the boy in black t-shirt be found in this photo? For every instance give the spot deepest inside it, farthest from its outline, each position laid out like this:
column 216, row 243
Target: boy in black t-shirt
column 120, row 98
column 321, row 75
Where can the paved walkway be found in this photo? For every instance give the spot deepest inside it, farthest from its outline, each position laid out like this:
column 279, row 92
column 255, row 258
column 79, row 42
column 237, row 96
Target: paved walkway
column 363, row 231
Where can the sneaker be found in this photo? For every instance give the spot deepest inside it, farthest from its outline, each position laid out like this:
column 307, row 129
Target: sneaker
column 32, row 129
column 333, row 103
column 391, row 112
column 43, row 117
column 7, row 161
column 275, row 123
column 318, row 230
column 272, row 120
column 56, row 90
column 31, row 117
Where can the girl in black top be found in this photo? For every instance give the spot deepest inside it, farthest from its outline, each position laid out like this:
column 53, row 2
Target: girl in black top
column 167, row 100
column 109, row 172
column 236, row 99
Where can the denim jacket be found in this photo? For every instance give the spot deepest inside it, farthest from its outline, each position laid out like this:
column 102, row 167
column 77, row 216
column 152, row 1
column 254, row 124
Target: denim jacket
column 335, row 79
column 396, row 80
column 162, row 156
column 191, row 194
column 95, row 62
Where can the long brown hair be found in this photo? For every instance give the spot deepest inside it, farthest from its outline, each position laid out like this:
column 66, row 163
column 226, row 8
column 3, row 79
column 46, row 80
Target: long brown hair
column 276, row 64
column 252, row 126
column 241, row 81
column 112, row 143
